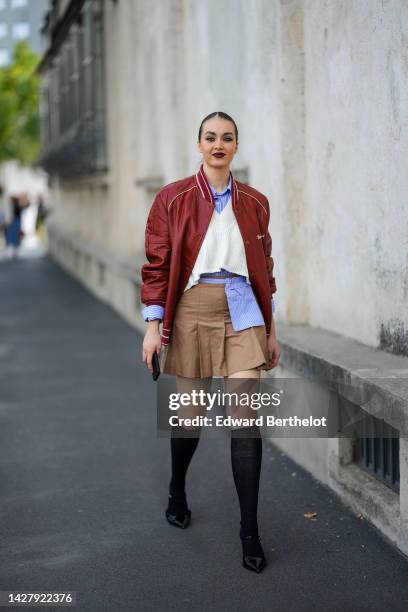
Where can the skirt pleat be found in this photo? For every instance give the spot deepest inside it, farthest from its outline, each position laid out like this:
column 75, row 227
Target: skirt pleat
column 203, row 342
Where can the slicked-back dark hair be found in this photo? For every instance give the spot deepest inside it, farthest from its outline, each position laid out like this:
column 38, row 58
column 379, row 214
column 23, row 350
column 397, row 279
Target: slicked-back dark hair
column 222, row 116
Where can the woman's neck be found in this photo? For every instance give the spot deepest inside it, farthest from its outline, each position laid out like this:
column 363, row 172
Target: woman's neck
column 218, row 178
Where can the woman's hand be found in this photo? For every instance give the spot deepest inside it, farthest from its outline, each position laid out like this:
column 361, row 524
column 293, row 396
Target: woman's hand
column 151, row 342
column 273, row 352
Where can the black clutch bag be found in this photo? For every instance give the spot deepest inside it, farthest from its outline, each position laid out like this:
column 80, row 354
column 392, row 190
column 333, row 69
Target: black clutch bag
column 156, row 366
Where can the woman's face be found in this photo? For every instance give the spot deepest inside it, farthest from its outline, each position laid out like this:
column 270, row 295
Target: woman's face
column 218, row 136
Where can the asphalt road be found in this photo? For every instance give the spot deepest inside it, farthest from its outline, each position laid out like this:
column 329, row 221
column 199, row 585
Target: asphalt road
column 84, row 482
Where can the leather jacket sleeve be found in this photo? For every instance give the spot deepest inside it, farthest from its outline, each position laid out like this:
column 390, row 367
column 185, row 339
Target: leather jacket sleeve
column 155, row 273
column 268, row 252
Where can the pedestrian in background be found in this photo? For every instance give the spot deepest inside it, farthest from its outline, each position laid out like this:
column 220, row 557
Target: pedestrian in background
column 210, row 280
column 14, row 233
column 42, row 213
column 3, row 215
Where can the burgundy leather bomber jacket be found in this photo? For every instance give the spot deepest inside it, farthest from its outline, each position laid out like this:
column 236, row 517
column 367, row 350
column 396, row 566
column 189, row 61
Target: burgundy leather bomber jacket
column 175, row 229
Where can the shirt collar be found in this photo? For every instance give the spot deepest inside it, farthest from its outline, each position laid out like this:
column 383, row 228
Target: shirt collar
column 206, row 193
column 216, row 193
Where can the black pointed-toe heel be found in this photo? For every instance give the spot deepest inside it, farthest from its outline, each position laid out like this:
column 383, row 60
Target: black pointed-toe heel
column 177, row 512
column 253, row 557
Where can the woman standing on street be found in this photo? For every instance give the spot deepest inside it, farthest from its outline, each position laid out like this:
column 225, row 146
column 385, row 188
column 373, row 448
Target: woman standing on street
column 209, row 279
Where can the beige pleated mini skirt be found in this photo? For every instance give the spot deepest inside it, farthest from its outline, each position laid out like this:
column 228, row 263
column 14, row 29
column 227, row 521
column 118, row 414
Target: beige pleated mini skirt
column 203, row 342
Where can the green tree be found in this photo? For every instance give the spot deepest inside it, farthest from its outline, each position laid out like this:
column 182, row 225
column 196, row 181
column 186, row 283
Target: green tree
column 19, row 119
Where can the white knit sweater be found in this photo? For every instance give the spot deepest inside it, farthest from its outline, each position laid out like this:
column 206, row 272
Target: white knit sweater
column 222, row 247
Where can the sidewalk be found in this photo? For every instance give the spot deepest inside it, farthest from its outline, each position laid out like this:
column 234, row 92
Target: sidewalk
column 84, row 482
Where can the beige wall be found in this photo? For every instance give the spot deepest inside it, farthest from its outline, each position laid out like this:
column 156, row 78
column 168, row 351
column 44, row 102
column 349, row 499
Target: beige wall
column 356, row 147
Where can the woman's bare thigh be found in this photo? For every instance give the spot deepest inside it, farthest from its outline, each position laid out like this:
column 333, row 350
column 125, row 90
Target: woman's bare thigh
column 188, row 385
column 241, row 385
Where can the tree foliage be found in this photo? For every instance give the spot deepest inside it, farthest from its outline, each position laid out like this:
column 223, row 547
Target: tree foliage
column 19, row 115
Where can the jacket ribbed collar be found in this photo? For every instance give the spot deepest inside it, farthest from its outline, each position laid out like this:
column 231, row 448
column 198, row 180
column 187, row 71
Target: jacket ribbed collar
column 204, row 187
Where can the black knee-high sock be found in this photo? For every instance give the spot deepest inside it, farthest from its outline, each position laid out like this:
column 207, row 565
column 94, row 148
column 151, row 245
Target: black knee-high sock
column 246, row 460
column 182, row 451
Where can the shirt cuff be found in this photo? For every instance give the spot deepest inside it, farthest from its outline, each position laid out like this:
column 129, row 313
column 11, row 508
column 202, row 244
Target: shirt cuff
column 152, row 312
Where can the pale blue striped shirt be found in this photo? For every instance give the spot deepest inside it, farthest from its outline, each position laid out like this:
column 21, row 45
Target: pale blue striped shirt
column 243, row 306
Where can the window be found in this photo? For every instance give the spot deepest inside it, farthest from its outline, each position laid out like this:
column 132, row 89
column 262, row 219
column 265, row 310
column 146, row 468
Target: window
column 377, row 450
column 72, row 108
column 21, row 30
column 4, row 57
column 18, row 3
column 3, row 29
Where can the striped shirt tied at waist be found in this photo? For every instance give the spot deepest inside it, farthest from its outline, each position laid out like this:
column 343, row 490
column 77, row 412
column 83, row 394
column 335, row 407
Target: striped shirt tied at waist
column 242, row 304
